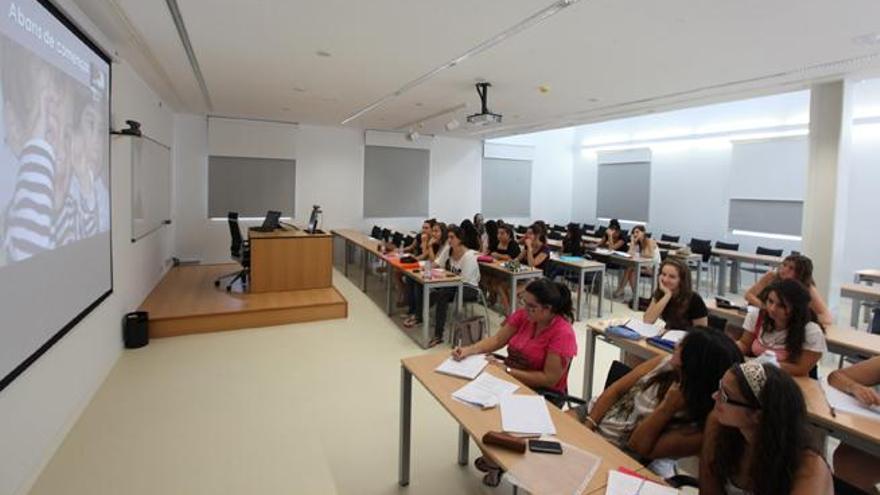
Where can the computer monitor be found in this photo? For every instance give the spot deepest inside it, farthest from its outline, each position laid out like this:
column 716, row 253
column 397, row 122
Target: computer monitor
column 272, row 221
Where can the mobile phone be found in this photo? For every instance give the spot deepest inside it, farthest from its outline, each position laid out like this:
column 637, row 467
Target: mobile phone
column 545, row 447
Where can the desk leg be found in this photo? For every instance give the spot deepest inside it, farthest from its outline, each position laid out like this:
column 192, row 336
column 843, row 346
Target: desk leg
column 346, row 255
column 589, row 361
column 365, row 263
column 734, row 276
column 464, row 442
column 405, row 420
column 580, row 292
column 601, row 291
column 459, row 300
column 854, row 312
column 635, row 302
column 512, row 295
column 699, row 274
column 426, row 315
column 389, row 272
column 722, row 275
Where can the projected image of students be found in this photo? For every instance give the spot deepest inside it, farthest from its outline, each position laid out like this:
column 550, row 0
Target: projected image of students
column 53, row 184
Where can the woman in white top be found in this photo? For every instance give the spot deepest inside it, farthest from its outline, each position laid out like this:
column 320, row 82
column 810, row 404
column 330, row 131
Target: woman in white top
column 640, row 246
column 756, row 439
column 462, row 262
column 786, row 327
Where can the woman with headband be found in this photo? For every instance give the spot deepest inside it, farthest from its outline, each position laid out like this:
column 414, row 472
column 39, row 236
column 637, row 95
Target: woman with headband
column 756, row 439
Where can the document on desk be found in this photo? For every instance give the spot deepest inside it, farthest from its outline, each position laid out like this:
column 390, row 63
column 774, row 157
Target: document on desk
column 674, row 336
column 644, row 329
column 468, row 367
column 485, row 391
column 843, row 402
column 526, row 414
column 625, row 484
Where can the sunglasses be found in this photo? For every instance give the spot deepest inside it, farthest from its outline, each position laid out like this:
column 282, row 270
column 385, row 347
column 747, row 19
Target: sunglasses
column 725, row 399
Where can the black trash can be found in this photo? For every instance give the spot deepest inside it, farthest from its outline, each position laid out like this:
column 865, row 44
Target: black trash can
column 135, row 329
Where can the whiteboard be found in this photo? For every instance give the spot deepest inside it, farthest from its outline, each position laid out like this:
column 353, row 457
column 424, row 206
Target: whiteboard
column 150, row 186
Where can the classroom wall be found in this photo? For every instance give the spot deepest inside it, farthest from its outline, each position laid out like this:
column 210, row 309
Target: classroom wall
column 40, row 406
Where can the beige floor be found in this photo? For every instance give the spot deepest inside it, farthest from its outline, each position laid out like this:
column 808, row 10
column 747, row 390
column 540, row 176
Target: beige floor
column 295, row 409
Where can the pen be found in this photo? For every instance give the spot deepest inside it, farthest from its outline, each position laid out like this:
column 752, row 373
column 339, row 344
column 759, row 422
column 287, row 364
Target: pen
column 639, row 489
column 830, row 407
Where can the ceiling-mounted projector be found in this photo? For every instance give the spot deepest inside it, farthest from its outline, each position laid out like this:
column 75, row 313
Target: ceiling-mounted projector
column 485, row 117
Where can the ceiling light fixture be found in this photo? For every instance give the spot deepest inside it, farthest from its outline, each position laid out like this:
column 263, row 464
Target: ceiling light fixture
column 452, row 125
column 412, row 135
column 433, row 116
column 526, row 23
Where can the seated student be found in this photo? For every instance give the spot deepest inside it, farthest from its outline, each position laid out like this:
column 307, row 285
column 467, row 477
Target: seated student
column 482, row 235
column 471, row 236
column 462, row 262
column 797, row 267
column 572, row 243
column 438, row 249
column 613, row 237
column 785, row 326
column 853, row 465
column 535, row 253
column 639, row 246
column 540, row 346
column 490, row 241
column 674, row 301
column 505, row 249
column 658, row 409
column 418, row 248
column 756, row 439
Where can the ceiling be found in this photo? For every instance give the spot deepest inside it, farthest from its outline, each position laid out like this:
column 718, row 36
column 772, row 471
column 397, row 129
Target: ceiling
column 595, row 60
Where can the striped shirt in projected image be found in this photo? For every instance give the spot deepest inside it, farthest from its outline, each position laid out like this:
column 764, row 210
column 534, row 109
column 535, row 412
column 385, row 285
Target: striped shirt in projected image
column 30, row 217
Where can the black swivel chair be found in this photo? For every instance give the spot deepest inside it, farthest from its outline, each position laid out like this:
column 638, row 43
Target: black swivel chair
column 376, row 233
column 669, row 238
column 240, row 251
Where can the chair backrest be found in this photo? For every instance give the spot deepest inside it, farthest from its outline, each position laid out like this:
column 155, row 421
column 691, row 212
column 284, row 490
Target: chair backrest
column 669, row 238
column 235, row 235
column 768, row 251
column 407, row 240
column 559, row 228
column 376, row 233
column 554, row 235
column 726, row 245
column 386, row 234
column 648, row 234
column 397, row 239
column 600, row 232
column 702, row 246
column 717, row 322
column 589, row 227
column 521, row 229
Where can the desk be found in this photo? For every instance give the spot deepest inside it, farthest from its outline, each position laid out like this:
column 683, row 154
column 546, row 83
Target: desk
column 367, row 245
column 290, row 259
column 475, row 423
column 859, row 294
column 436, row 282
column 853, row 429
column 869, row 276
column 524, row 273
column 735, row 258
column 584, row 266
column 635, row 262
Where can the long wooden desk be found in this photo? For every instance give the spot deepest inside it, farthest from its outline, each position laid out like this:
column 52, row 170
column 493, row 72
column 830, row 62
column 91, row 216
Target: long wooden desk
column 735, row 258
column 853, row 429
column 859, row 294
column 290, row 259
column 368, row 246
column 513, row 276
column 869, row 276
column 584, row 266
column 474, row 423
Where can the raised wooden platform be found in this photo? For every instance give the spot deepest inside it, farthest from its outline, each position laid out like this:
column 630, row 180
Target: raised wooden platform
column 186, row 302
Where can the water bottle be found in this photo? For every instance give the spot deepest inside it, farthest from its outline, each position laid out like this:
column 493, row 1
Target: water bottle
column 428, row 270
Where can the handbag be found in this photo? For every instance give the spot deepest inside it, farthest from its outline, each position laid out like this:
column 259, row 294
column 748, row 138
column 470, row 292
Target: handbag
column 468, row 331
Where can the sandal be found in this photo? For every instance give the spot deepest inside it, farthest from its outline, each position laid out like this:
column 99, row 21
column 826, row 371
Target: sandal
column 484, row 465
column 493, row 477
column 435, row 342
column 410, row 321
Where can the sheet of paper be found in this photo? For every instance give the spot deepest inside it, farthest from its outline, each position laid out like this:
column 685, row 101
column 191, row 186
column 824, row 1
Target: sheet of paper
column 624, row 484
column 604, row 251
column 485, row 391
column 843, row 402
column 526, row 414
column 468, row 367
column 644, row 329
column 623, row 254
column 673, row 335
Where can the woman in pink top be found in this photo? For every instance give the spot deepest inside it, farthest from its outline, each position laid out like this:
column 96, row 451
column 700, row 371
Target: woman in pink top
column 540, row 346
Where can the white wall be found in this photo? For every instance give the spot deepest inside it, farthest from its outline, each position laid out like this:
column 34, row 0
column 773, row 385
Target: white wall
column 40, row 406
column 330, row 172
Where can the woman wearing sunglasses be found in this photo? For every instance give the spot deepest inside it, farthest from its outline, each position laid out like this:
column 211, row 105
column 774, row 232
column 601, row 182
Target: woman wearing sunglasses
column 657, row 410
column 756, row 439
column 540, row 346
column 785, row 326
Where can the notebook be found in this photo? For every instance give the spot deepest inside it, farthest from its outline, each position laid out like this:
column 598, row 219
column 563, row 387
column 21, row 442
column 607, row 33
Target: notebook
column 468, row 367
column 626, row 484
column 526, row 414
column 485, row 391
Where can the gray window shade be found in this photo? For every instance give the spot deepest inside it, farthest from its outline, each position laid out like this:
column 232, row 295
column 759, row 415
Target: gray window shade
column 250, row 186
column 766, row 215
column 624, row 191
column 396, row 182
column 507, row 188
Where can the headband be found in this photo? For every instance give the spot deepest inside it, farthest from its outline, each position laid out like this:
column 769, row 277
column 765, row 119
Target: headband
column 753, row 372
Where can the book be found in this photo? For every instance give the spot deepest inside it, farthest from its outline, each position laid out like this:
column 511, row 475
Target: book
column 485, row 391
column 468, row 367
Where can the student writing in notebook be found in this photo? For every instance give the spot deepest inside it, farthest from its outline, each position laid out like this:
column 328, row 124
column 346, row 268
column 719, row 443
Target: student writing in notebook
column 658, row 409
column 797, row 267
column 785, row 325
column 756, row 439
column 855, row 466
column 674, row 300
column 540, row 346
